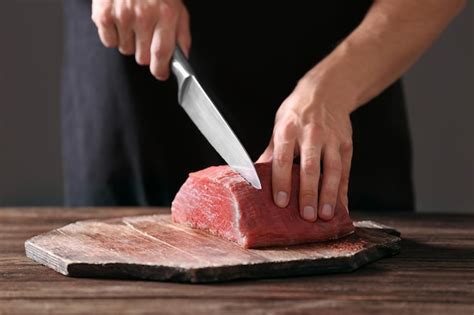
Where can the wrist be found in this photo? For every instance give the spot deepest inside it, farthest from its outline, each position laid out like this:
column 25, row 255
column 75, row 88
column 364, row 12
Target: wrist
column 348, row 74
column 331, row 85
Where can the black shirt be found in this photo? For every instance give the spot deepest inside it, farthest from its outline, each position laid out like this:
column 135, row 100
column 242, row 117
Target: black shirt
column 127, row 142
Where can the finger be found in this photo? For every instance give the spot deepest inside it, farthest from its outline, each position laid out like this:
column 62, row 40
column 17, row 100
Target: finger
column 163, row 44
column 346, row 156
column 124, row 22
column 144, row 26
column 310, row 161
column 282, row 164
column 184, row 33
column 332, row 170
column 104, row 20
column 267, row 154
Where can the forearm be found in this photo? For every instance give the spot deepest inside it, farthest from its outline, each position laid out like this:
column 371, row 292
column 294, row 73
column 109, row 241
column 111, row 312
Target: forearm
column 389, row 40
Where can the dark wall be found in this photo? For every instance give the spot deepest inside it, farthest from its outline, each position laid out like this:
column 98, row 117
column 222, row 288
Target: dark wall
column 30, row 58
column 439, row 93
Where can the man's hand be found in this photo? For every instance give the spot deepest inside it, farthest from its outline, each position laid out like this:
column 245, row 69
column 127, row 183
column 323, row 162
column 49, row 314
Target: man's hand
column 314, row 120
column 149, row 29
column 314, row 123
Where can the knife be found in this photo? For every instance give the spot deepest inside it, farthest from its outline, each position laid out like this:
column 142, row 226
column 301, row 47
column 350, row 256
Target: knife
column 202, row 111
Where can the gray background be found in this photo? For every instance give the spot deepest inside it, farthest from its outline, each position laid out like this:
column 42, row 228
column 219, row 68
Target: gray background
column 439, row 92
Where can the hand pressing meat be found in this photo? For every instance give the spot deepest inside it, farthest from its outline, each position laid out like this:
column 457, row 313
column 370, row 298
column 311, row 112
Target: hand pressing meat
column 220, row 201
column 314, row 121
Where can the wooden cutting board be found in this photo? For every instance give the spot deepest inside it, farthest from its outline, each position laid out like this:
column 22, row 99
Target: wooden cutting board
column 153, row 248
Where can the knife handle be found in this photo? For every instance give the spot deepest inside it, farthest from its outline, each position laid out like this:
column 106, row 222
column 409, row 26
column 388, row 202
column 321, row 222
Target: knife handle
column 180, row 66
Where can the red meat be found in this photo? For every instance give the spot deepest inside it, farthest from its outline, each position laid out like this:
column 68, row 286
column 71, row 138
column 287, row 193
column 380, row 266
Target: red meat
column 220, row 201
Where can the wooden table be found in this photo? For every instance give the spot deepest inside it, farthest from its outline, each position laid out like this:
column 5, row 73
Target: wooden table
column 434, row 274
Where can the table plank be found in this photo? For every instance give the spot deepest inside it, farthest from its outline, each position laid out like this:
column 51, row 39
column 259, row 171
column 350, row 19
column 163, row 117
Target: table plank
column 229, row 306
column 433, row 274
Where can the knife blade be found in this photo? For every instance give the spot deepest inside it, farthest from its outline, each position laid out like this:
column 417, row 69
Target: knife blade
column 202, row 111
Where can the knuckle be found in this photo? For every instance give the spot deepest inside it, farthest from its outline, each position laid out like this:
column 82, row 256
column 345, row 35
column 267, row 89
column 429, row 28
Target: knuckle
column 167, row 11
column 282, row 158
column 145, row 23
column 347, row 145
column 308, row 194
column 314, row 129
column 108, row 43
column 143, row 12
column 95, row 18
column 103, row 18
column 144, row 18
column 280, row 132
column 124, row 16
column 333, row 166
column 332, row 169
column 160, row 51
column 106, row 20
column 310, row 165
column 285, row 129
column 314, row 134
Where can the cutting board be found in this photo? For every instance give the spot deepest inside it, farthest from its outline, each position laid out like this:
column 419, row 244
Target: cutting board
column 154, row 248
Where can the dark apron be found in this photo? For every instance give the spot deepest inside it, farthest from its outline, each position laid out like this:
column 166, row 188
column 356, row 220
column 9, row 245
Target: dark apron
column 126, row 141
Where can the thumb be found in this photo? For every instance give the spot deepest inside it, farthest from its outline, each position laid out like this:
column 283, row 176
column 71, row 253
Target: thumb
column 267, row 155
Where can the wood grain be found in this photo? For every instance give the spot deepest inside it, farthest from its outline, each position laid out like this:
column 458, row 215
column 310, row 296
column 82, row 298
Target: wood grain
column 154, row 248
column 433, row 274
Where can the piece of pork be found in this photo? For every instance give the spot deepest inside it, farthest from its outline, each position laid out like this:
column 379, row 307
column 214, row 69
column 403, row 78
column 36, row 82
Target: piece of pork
column 220, row 201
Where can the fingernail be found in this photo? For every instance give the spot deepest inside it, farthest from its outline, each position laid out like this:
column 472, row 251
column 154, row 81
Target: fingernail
column 327, row 211
column 281, row 199
column 309, row 213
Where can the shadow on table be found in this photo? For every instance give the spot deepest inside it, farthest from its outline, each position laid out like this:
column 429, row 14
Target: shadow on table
column 414, row 249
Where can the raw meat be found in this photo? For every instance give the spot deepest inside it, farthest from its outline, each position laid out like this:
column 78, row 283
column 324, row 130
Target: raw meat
column 220, row 201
